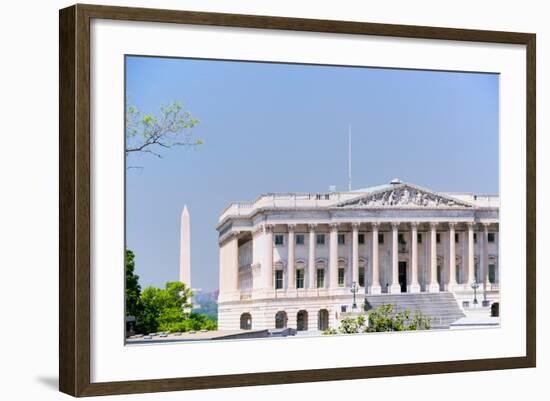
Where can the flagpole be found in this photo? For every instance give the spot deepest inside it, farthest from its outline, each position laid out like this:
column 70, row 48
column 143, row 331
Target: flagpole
column 349, row 157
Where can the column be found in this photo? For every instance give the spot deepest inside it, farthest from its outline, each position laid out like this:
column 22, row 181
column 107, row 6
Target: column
column 471, row 261
column 414, row 286
column 375, row 286
column 452, row 258
column 291, row 272
column 267, row 268
column 229, row 268
column 355, row 253
column 434, row 285
column 485, row 258
column 333, row 256
column 312, row 282
column 395, row 287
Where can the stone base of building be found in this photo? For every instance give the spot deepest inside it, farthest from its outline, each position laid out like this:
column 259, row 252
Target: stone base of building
column 312, row 312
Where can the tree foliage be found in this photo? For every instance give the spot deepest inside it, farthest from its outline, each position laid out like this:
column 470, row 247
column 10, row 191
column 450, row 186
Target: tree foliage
column 383, row 318
column 149, row 133
column 133, row 289
column 161, row 309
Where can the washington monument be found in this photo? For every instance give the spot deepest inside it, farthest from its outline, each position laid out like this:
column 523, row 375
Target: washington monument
column 185, row 248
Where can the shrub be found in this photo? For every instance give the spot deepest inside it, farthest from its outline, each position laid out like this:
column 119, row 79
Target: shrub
column 383, row 318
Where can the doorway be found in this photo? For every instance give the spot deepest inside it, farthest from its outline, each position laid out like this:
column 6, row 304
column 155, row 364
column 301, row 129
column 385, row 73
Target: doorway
column 322, row 320
column 403, row 276
column 301, row 321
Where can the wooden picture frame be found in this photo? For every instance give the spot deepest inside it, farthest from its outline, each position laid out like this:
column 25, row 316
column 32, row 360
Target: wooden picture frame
column 75, row 207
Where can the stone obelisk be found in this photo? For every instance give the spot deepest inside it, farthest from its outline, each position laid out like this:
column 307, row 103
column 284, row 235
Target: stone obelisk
column 185, row 248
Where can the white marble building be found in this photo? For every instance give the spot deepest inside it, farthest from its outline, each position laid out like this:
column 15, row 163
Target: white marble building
column 290, row 260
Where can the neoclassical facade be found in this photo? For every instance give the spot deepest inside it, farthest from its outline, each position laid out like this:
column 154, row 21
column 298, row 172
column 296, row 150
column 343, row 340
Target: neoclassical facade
column 291, row 260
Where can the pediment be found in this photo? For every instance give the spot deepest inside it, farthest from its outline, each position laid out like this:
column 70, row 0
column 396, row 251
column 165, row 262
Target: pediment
column 404, row 195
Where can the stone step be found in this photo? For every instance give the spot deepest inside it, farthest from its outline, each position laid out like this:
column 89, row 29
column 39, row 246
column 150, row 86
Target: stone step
column 441, row 307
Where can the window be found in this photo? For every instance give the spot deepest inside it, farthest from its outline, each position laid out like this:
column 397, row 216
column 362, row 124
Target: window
column 280, row 320
column 279, row 239
column 438, row 238
column 491, row 237
column 361, row 277
column 246, row 321
column 320, row 239
column 419, row 238
column 341, row 239
column 320, row 278
column 380, row 238
column 361, row 239
column 343, row 308
column 457, row 237
column 300, row 239
column 475, row 238
column 300, row 278
column 278, row 279
column 341, row 276
column 492, row 274
column 400, row 238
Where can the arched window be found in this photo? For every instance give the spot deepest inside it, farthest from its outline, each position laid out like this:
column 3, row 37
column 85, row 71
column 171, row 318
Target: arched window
column 301, row 320
column 362, row 272
column 493, row 270
column 342, row 272
column 278, row 267
column 322, row 320
column 320, row 273
column 300, row 274
column 441, row 273
column 458, row 270
column 246, row 321
column 477, row 272
column 280, row 320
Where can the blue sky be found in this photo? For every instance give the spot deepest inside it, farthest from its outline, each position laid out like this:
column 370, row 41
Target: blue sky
column 283, row 128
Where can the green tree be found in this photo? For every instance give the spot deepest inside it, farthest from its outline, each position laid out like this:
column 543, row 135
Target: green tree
column 149, row 133
column 169, row 309
column 133, row 289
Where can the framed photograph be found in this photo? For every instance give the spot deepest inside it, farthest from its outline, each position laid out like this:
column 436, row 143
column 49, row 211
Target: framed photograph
column 250, row 200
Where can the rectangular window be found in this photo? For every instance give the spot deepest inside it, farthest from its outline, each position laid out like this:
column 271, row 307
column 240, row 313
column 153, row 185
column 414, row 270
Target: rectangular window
column 475, row 238
column 278, row 279
column 341, row 239
column 492, row 274
column 361, row 239
column 491, row 237
column 419, row 238
column 300, row 238
column 320, row 239
column 457, row 237
column 380, row 238
column 400, row 238
column 341, row 276
column 361, row 277
column 279, row 239
column 320, row 278
column 300, row 278
column 438, row 238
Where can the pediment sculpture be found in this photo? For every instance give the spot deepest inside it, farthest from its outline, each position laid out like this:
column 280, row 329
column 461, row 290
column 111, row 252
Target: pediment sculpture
column 404, row 196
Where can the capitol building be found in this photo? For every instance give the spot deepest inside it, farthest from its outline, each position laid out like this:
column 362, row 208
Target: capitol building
column 298, row 260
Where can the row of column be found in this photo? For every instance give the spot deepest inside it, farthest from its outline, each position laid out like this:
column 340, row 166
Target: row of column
column 375, row 287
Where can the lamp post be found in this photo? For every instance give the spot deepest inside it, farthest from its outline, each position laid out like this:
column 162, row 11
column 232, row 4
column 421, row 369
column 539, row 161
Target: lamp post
column 475, row 286
column 354, row 290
